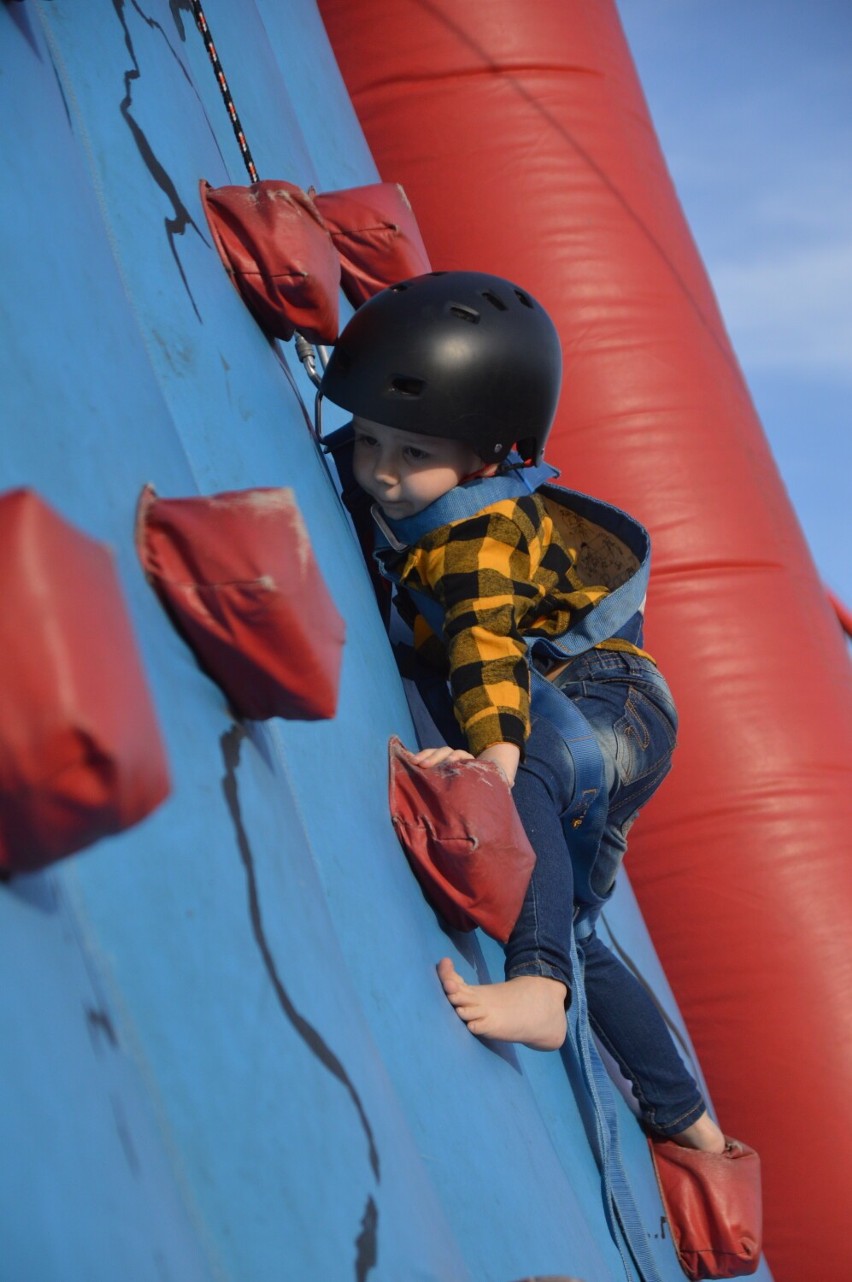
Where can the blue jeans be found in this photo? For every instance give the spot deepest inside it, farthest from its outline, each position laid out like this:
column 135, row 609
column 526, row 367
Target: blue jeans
column 631, row 712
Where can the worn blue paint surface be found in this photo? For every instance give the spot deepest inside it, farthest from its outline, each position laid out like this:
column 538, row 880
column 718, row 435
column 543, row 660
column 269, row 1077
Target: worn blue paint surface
column 224, row 1048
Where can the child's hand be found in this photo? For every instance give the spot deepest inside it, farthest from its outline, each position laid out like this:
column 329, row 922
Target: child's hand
column 429, row 757
column 506, row 756
column 503, row 755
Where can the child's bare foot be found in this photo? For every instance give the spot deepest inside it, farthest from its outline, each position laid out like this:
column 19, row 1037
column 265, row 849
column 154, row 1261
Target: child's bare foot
column 529, row 1009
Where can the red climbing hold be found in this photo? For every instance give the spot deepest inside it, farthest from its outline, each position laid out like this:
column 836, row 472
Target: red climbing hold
column 279, row 254
column 376, row 235
column 237, row 573
column 459, row 827
column 713, row 1206
column 80, row 752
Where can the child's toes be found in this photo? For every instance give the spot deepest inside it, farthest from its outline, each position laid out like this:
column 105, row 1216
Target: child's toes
column 449, row 977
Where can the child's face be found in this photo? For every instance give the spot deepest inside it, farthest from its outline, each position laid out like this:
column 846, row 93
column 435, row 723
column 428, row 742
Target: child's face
column 403, row 471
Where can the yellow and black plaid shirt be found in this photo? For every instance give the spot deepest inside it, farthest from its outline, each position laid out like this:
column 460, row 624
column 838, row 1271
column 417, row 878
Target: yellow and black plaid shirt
column 501, row 576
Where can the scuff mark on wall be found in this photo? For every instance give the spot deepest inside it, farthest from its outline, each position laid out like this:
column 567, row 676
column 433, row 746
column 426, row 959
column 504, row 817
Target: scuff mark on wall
column 181, row 218
column 231, row 742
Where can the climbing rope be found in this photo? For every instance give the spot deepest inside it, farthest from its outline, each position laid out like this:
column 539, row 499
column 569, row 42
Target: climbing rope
column 201, row 23
column 304, row 350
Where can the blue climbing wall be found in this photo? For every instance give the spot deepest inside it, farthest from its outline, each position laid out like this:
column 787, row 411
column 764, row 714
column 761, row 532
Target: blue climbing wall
column 224, row 1048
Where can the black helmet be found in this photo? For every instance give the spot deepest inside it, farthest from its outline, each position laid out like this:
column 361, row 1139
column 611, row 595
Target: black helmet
column 461, row 355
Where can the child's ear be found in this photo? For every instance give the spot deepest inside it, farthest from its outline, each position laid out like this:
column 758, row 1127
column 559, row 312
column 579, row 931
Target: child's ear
column 480, row 469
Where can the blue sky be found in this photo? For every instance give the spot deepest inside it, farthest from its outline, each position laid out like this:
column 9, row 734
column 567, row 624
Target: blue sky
column 752, row 103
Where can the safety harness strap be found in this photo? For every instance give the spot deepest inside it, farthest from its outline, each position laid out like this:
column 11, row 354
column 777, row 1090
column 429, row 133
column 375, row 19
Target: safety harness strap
column 583, row 825
column 623, row 1218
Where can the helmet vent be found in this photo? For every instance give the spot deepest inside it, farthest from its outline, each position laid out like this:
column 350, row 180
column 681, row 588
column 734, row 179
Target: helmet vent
column 522, row 298
column 494, row 300
column 469, row 314
column 406, row 386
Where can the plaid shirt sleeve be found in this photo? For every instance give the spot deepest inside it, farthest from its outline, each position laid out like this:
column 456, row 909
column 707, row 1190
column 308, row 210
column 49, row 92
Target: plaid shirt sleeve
column 488, row 573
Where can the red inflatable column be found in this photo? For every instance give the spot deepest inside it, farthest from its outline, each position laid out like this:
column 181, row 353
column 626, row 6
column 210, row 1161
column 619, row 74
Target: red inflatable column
column 522, row 138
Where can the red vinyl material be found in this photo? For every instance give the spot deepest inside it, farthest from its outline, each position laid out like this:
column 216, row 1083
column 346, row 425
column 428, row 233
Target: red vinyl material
column 81, row 755
column 523, row 141
column 459, row 828
column 237, row 573
column 713, row 1205
column 376, row 235
column 278, row 252
column 844, row 614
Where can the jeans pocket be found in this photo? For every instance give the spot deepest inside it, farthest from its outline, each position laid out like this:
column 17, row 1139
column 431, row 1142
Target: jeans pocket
column 645, row 737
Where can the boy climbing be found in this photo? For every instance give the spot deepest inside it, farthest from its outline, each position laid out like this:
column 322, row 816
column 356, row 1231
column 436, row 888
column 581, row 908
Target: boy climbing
column 453, row 380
